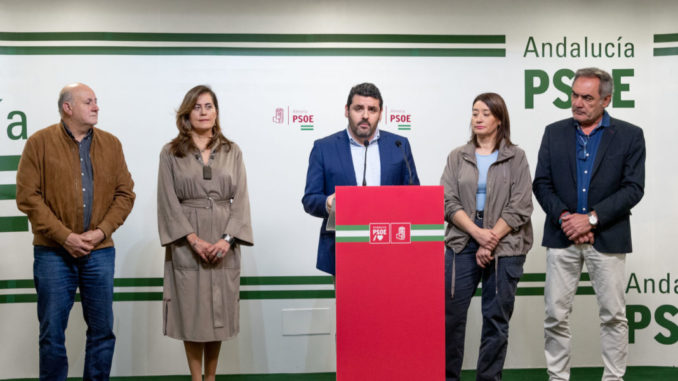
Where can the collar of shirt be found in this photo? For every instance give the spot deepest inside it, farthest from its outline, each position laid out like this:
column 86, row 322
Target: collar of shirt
column 68, row 131
column 372, row 162
column 604, row 122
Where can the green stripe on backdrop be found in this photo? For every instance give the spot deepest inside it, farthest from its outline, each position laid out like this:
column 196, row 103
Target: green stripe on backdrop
column 249, row 281
column 353, row 239
column 524, row 288
column 9, row 163
column 352, row 227
column 157, row 296
column 427, row 227
column 253, row 37
column 7, row 191
column 427, row 238
column 157, row 282
column 668, row 37
column 14, row 224
column 633, row 373
column 247, row 51
column 665, row 52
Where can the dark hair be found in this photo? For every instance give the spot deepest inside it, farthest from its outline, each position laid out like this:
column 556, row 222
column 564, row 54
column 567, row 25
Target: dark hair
column 183, row 143
column 605, row 88
column 366, row 90
column 499, row 111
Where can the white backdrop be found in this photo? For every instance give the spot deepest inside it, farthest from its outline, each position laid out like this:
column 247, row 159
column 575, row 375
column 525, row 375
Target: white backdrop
column 138, row 95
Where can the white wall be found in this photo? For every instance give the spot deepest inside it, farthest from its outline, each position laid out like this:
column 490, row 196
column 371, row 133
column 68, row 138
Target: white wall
column 139, row 93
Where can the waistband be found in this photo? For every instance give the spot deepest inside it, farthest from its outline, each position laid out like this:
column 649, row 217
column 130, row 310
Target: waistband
column 207, row 202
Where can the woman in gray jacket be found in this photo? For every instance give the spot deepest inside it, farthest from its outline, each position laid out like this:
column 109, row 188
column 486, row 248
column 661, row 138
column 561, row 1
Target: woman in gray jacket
column 488, row 203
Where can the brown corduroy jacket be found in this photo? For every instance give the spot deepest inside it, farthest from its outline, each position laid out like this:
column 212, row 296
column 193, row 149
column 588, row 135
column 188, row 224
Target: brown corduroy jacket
column 49, row 189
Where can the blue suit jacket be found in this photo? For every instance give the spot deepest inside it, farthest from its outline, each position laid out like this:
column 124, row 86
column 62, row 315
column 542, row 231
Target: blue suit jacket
column 330, row 164
column 617, row 182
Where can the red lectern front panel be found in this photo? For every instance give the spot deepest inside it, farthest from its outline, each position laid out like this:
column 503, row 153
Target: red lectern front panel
column 390, row 283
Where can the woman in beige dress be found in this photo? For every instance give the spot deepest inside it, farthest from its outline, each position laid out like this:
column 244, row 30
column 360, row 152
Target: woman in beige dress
column 203, row 219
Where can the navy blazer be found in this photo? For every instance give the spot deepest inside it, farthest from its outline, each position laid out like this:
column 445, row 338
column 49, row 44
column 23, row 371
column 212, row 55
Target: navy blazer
column 330, row 164
column 617, row 182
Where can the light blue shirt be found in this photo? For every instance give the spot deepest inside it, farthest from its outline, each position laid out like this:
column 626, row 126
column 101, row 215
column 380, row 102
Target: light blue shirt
column 484, row 163
column 373, row 176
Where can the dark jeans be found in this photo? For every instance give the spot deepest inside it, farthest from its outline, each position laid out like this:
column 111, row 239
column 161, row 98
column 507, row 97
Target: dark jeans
column 57, row 275
column 498, row 297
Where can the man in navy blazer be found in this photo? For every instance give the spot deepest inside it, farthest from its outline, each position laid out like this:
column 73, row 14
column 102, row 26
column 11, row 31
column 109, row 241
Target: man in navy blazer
column 590, row 173
column 360, row 154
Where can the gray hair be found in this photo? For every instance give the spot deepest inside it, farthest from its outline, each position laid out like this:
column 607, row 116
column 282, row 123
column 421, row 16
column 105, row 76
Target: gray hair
column 605, row 88
column 65, row 96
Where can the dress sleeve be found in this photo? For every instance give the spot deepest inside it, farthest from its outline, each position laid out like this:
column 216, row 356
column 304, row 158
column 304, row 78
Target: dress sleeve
column 172, row 223
column 240, row 222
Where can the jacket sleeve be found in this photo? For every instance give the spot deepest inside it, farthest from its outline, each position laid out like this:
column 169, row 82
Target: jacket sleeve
column 543, row 182
column 518, row 210
column 449, row 181
column 123, row 197
column 172, row 223
column 29, row 195
column 240, row 221
column 619, row 203
column 314, row 194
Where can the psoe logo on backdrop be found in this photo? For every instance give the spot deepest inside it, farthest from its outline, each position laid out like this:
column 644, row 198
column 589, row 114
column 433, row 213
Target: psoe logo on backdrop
column 398, row 117
column 380, row 233
column 301, row 119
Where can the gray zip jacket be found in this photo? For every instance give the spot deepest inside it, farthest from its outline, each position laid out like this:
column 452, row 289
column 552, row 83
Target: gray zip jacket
column 509, row 196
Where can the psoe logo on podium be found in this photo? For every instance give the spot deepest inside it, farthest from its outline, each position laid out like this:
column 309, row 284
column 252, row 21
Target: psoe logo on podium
column 400, row 232
column 380, row 233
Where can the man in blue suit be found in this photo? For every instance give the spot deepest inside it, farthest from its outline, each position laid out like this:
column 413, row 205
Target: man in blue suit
column 360, row 154
column 590, row 173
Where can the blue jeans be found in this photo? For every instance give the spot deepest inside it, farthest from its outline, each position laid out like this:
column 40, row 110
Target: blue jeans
column 57, row 275
column 498, row 297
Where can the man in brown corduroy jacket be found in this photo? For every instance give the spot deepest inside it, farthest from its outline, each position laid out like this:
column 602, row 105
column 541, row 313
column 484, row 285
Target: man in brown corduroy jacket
column 74, row 185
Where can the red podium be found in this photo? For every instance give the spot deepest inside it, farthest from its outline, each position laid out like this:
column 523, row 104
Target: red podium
column 390, row 283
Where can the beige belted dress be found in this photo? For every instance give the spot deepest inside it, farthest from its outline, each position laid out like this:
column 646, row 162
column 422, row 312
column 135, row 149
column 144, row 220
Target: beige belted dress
column 201, row 300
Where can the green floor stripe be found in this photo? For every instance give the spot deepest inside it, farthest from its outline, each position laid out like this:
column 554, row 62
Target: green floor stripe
column 244, row 51
column 9, row 163
column 254, row 37
column 14, row 224
column 7, row 191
